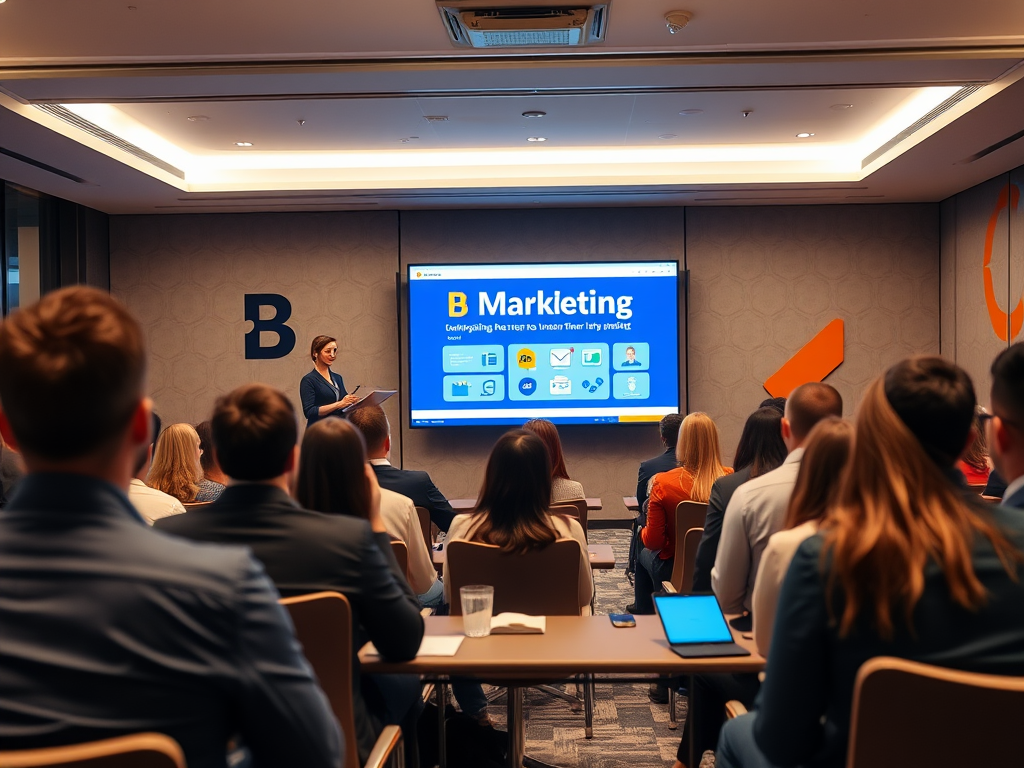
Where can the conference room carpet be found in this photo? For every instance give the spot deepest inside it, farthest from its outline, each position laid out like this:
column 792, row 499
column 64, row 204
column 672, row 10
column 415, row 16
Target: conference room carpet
column 628, row 728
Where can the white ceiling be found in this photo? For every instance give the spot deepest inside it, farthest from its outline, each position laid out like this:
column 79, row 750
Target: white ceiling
column 363, row 78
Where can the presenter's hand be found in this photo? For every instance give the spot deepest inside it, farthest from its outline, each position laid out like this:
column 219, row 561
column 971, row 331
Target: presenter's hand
column 376, row 521
column 348, row 400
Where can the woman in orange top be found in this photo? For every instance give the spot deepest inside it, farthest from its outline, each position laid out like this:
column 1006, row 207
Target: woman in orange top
column 700, row 464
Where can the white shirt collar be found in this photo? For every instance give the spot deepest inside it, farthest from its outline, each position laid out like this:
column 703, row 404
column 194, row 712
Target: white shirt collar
column 380, row 462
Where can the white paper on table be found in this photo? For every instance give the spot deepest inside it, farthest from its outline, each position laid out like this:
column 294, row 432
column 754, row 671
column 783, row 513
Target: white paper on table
column 431, row 645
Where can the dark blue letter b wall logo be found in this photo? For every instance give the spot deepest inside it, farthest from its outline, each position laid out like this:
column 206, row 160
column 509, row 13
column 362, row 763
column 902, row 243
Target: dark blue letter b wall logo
column 276, row 324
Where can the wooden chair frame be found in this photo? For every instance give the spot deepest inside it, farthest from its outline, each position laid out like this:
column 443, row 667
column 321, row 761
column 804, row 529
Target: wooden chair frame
column 137, row 750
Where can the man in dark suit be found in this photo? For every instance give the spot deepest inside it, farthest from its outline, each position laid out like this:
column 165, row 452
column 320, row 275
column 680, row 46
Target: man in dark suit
column 254, row 435
column 663, row 462
column 106, row 627
column 414, row 484
column 1006, row 423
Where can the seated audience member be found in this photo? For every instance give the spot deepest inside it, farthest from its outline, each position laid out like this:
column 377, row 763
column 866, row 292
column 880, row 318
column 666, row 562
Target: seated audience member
column 1006, row 424
column 254, row 433
column 663, row 462
column 562, row 488
column 974, row 463
column 700, row 465
column 109, row 628
column 410, row 483
column 214, row 480
column 176, row 468
column 11, row 472
column 758, row 507
column 906, row 564
column 996, row 486
column 149, row 502
column 778, row 403
column 512, row 512
column 817, row 484
column 332, row 480
column 760, row 450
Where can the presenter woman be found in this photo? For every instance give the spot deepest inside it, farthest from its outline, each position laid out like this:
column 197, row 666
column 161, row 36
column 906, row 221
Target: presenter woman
column 321, row 391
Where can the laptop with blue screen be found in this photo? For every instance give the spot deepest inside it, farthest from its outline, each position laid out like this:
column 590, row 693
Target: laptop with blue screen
column 695, row 626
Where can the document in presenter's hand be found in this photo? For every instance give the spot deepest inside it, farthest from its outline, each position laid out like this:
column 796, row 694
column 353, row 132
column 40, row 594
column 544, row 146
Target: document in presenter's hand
column 518, row 624
column 374, row 397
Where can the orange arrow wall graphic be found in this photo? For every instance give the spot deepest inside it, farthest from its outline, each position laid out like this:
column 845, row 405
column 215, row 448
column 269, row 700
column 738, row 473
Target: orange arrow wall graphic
column 816, row 360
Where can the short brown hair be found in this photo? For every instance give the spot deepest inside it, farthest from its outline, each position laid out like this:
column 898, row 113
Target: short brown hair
column 371, row 421
column 77, row 342
column 810, row 403
column 318, row 344
column 254, row 432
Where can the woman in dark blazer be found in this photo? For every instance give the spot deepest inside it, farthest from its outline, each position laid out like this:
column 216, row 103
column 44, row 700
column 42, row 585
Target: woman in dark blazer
column 321, row 391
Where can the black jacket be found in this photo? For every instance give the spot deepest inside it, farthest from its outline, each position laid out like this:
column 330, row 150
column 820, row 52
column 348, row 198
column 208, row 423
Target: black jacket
column 417, row 486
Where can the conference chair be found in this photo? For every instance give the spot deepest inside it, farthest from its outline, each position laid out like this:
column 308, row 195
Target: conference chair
column 541, row 582
column 689, row 514
column 577, row 509
column 323, row 625
column 424, row 517
column 683, row 562
column 137, row 750
column 190, row 505
column 401, row 553
column 978, row 488
column 908, row 713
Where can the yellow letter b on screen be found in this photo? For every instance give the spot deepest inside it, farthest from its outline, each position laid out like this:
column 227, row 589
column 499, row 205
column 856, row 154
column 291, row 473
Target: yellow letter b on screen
column 457, row 304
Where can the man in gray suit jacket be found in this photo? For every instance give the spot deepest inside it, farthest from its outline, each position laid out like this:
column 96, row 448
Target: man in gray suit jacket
column 1006, row 422
column 106, row 626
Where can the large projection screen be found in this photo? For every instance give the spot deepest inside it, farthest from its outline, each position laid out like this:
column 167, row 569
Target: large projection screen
column 576, row 343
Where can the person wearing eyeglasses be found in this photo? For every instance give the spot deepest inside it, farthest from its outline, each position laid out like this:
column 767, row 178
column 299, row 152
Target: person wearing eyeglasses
column 1005, row 425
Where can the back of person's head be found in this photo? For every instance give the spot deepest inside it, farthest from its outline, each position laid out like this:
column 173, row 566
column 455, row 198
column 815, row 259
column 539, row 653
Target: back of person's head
column 761, row 446
column 144, row 452
column 818, row 481
column 669, row 428
column 548, row 433
column 176, row 469
column 373, row 424
column 976, row 455
column 516, row 494
column 208, row 459
column 810, row 403
column 77, row 342
column 778, row 403
column 699, row 453
column 898, row 508
column 332, row 470
column 254, row 432
column 1008, row 391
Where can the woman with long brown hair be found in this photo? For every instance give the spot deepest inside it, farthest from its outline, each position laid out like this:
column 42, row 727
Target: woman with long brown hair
column 563, row 488
column 907, row 564
column 700, row 465
column 512, row 511
column 176, row 469
column 827, row 451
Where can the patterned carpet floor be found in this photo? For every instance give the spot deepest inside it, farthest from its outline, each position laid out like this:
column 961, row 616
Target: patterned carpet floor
column 628, row 728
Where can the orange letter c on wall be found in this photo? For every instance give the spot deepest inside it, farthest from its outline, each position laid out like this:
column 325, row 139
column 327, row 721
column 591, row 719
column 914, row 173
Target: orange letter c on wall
column 1006, row 326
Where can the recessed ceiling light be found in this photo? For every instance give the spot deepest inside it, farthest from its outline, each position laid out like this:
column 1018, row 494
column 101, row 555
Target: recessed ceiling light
column 197, row 118
column 841, row 106
column 667, row 136
column 804, row 135
column 537, row 138
column 534, row 114
column 243, row 143
column 691, row 112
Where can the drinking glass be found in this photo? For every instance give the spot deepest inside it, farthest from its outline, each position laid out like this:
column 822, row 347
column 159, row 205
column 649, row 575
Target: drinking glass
column 477, row 605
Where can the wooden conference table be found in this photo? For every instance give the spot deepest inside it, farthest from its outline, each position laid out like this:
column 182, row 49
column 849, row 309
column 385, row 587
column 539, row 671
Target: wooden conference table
column 571, row 645
column 601, row 557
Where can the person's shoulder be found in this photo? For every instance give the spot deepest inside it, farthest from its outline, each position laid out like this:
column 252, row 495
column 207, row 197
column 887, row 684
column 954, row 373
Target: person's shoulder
column 396, row 500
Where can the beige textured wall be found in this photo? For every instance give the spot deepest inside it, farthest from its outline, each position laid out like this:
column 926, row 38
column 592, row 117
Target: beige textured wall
column 185, row 278
column 765, row 280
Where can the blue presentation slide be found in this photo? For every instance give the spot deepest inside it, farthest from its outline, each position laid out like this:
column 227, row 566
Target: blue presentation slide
column 573, row 343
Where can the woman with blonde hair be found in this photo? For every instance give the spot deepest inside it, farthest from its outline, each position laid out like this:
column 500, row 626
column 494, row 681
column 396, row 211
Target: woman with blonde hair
column 906, row 564
column 700, row 465
column 176, row 469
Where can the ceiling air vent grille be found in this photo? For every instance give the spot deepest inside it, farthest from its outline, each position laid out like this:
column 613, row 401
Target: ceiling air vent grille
column 525, row 26
column 104, row 135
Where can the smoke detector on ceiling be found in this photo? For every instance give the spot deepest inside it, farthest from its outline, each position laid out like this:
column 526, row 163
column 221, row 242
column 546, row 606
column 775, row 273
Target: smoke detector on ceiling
column 519, row 26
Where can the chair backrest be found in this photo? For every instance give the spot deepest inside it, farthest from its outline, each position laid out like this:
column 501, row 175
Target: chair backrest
column 577, row 509
column 401, row 552
column 542, row 582
column 978, row 488
column 689, row 514
column 138, row 750
column 323, row 625
column 424, row 516
column 901, row 716
column 190, row 505
column 685, row 559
